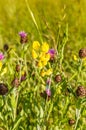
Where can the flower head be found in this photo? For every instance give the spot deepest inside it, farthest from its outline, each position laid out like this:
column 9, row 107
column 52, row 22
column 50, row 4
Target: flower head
column 45, row 47
column 22, row 34
column 52, row 53
column 36, row 45
column 3, row 89
column 23, row 37
column 1, row 56
column 82, row 53
column 48, row 92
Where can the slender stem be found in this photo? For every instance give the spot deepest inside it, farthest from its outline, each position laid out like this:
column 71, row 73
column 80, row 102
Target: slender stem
column 78, row 117
column 33, row 18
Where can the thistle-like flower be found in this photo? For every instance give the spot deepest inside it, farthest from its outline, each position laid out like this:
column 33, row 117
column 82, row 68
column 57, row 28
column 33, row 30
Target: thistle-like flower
column 58, row 78
column 52, row 53
column 82, row 53
column 81, row 91
column 23, row 37
column 3, row 89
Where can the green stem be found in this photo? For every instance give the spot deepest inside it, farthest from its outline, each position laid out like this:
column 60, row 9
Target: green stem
column 33, row 18
column 78, row 112
column 15, row 109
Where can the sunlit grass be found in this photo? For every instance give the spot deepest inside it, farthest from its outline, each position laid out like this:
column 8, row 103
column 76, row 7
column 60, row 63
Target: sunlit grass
column 42, row 69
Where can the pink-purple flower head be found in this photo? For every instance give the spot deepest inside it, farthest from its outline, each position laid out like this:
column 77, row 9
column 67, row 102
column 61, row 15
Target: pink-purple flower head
column 1, row 56
column 52, row 52
column 22, row 34
column 48, row 92
column 23, row 37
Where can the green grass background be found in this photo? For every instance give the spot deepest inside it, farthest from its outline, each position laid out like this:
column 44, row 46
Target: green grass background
column 51, row 16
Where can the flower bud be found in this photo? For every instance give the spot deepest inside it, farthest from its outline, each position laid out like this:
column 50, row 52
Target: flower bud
column 48, row 92
column 82, row 53
column 23, row 77
column 81, row 91
column 5, row 47
column 15, row 82
column 17, row 68
column 58, row 78
column 3, row 89
column 23, row 37
column 71, row 121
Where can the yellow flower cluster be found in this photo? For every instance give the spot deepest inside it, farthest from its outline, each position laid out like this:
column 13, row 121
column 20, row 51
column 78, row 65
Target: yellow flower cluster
column 39, row 52
column 47, row 72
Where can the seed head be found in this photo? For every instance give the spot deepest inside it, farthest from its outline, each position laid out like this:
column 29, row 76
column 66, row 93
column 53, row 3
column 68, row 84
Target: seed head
column 81, row 91
column 3, row 89
column 82, row 53
column 15, row 82
column 71, row 121
column 58, row 78
column 5, row 47
column 17, row 68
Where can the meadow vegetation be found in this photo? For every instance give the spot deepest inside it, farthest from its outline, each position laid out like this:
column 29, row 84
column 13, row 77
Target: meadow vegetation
column 42, row 65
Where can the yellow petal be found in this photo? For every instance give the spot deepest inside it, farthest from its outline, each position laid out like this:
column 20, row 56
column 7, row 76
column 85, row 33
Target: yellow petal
column 43, row 73
column 47, row 56
column 36, row 45
column 34, row 54
column 40, row 64
column 49, row 72
column 45, row 47
column 44, row 62
column 0, row 65
column 75, row 57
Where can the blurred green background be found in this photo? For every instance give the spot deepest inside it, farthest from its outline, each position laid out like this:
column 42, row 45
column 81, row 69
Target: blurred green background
column 51, row 16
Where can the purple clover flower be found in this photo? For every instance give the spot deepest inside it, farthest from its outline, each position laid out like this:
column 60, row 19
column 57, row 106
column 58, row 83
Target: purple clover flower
column 22, row 34
column 48, row 92
column 1, row 56
column 52, row 52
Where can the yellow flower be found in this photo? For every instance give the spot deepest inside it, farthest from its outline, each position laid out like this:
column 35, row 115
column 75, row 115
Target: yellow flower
column 47, row 56
column 0, row 65
column 34, row 54
column 44, row 62
column 42, row 56
column 40, row 64
column 45, row 47
column 43, row 73
column 75, row 57
column 49, row 72
column 36, row 45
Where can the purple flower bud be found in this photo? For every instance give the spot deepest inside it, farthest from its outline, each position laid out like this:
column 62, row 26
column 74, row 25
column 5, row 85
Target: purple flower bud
column 22, row 34
column 1, row 56
column 52, row 52
column 48, row 92
column 23, row 37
